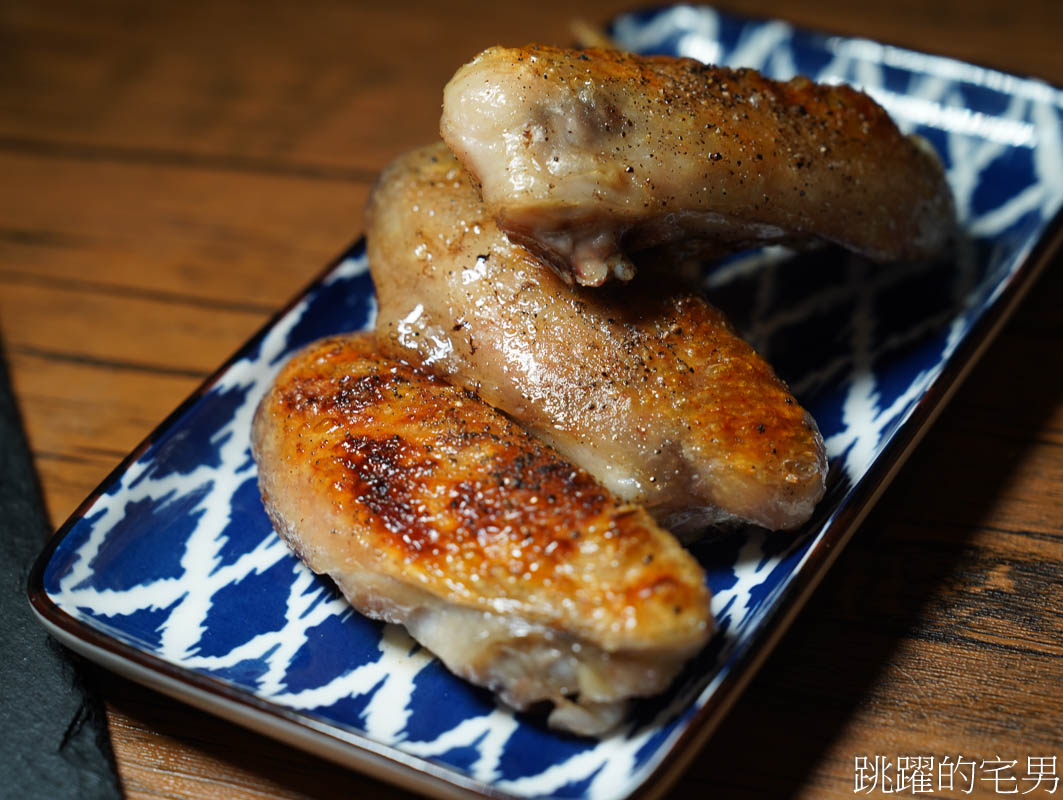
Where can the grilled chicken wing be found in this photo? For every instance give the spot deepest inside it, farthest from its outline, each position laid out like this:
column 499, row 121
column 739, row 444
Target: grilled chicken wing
column 585, row 155
column 647, row 388
column 432, row 510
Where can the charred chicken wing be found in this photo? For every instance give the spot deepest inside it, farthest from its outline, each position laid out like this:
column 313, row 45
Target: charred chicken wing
column 589, row 156
column 646, row 387
column 431, row 510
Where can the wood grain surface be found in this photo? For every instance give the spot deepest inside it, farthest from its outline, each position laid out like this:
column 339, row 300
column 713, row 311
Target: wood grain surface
column 172, row 173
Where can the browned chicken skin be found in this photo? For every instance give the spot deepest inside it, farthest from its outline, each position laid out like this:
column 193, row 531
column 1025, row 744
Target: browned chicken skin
column 646, row 387
column 432, row 510
column 585, row 155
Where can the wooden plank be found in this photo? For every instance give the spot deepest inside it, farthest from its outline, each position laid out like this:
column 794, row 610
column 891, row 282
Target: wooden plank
column 290, row 88
column 119, row 333
column 81, row 420
column 241, row 239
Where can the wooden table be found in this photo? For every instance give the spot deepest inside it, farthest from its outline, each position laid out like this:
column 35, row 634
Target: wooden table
column 172, row 173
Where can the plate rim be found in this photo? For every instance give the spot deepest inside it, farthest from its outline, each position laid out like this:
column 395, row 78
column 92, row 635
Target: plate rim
column 355, row 750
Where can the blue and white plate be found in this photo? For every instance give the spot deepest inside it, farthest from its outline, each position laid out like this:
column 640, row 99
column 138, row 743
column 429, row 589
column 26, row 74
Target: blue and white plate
column 171, row 574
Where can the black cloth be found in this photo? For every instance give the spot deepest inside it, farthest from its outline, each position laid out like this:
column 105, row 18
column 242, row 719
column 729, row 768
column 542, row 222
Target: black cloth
column 53, row 732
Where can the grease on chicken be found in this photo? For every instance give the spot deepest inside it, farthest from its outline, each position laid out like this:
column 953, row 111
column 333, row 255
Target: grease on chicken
column 589, row 156
column 645, row 386
column 431, row 510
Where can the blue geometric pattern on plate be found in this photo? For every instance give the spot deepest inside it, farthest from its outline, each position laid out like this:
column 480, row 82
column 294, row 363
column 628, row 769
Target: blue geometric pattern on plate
column 176, row 557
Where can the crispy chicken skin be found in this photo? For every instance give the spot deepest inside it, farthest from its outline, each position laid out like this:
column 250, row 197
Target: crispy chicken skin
column 432, row 510
column 584, row 156
column 646, row 387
